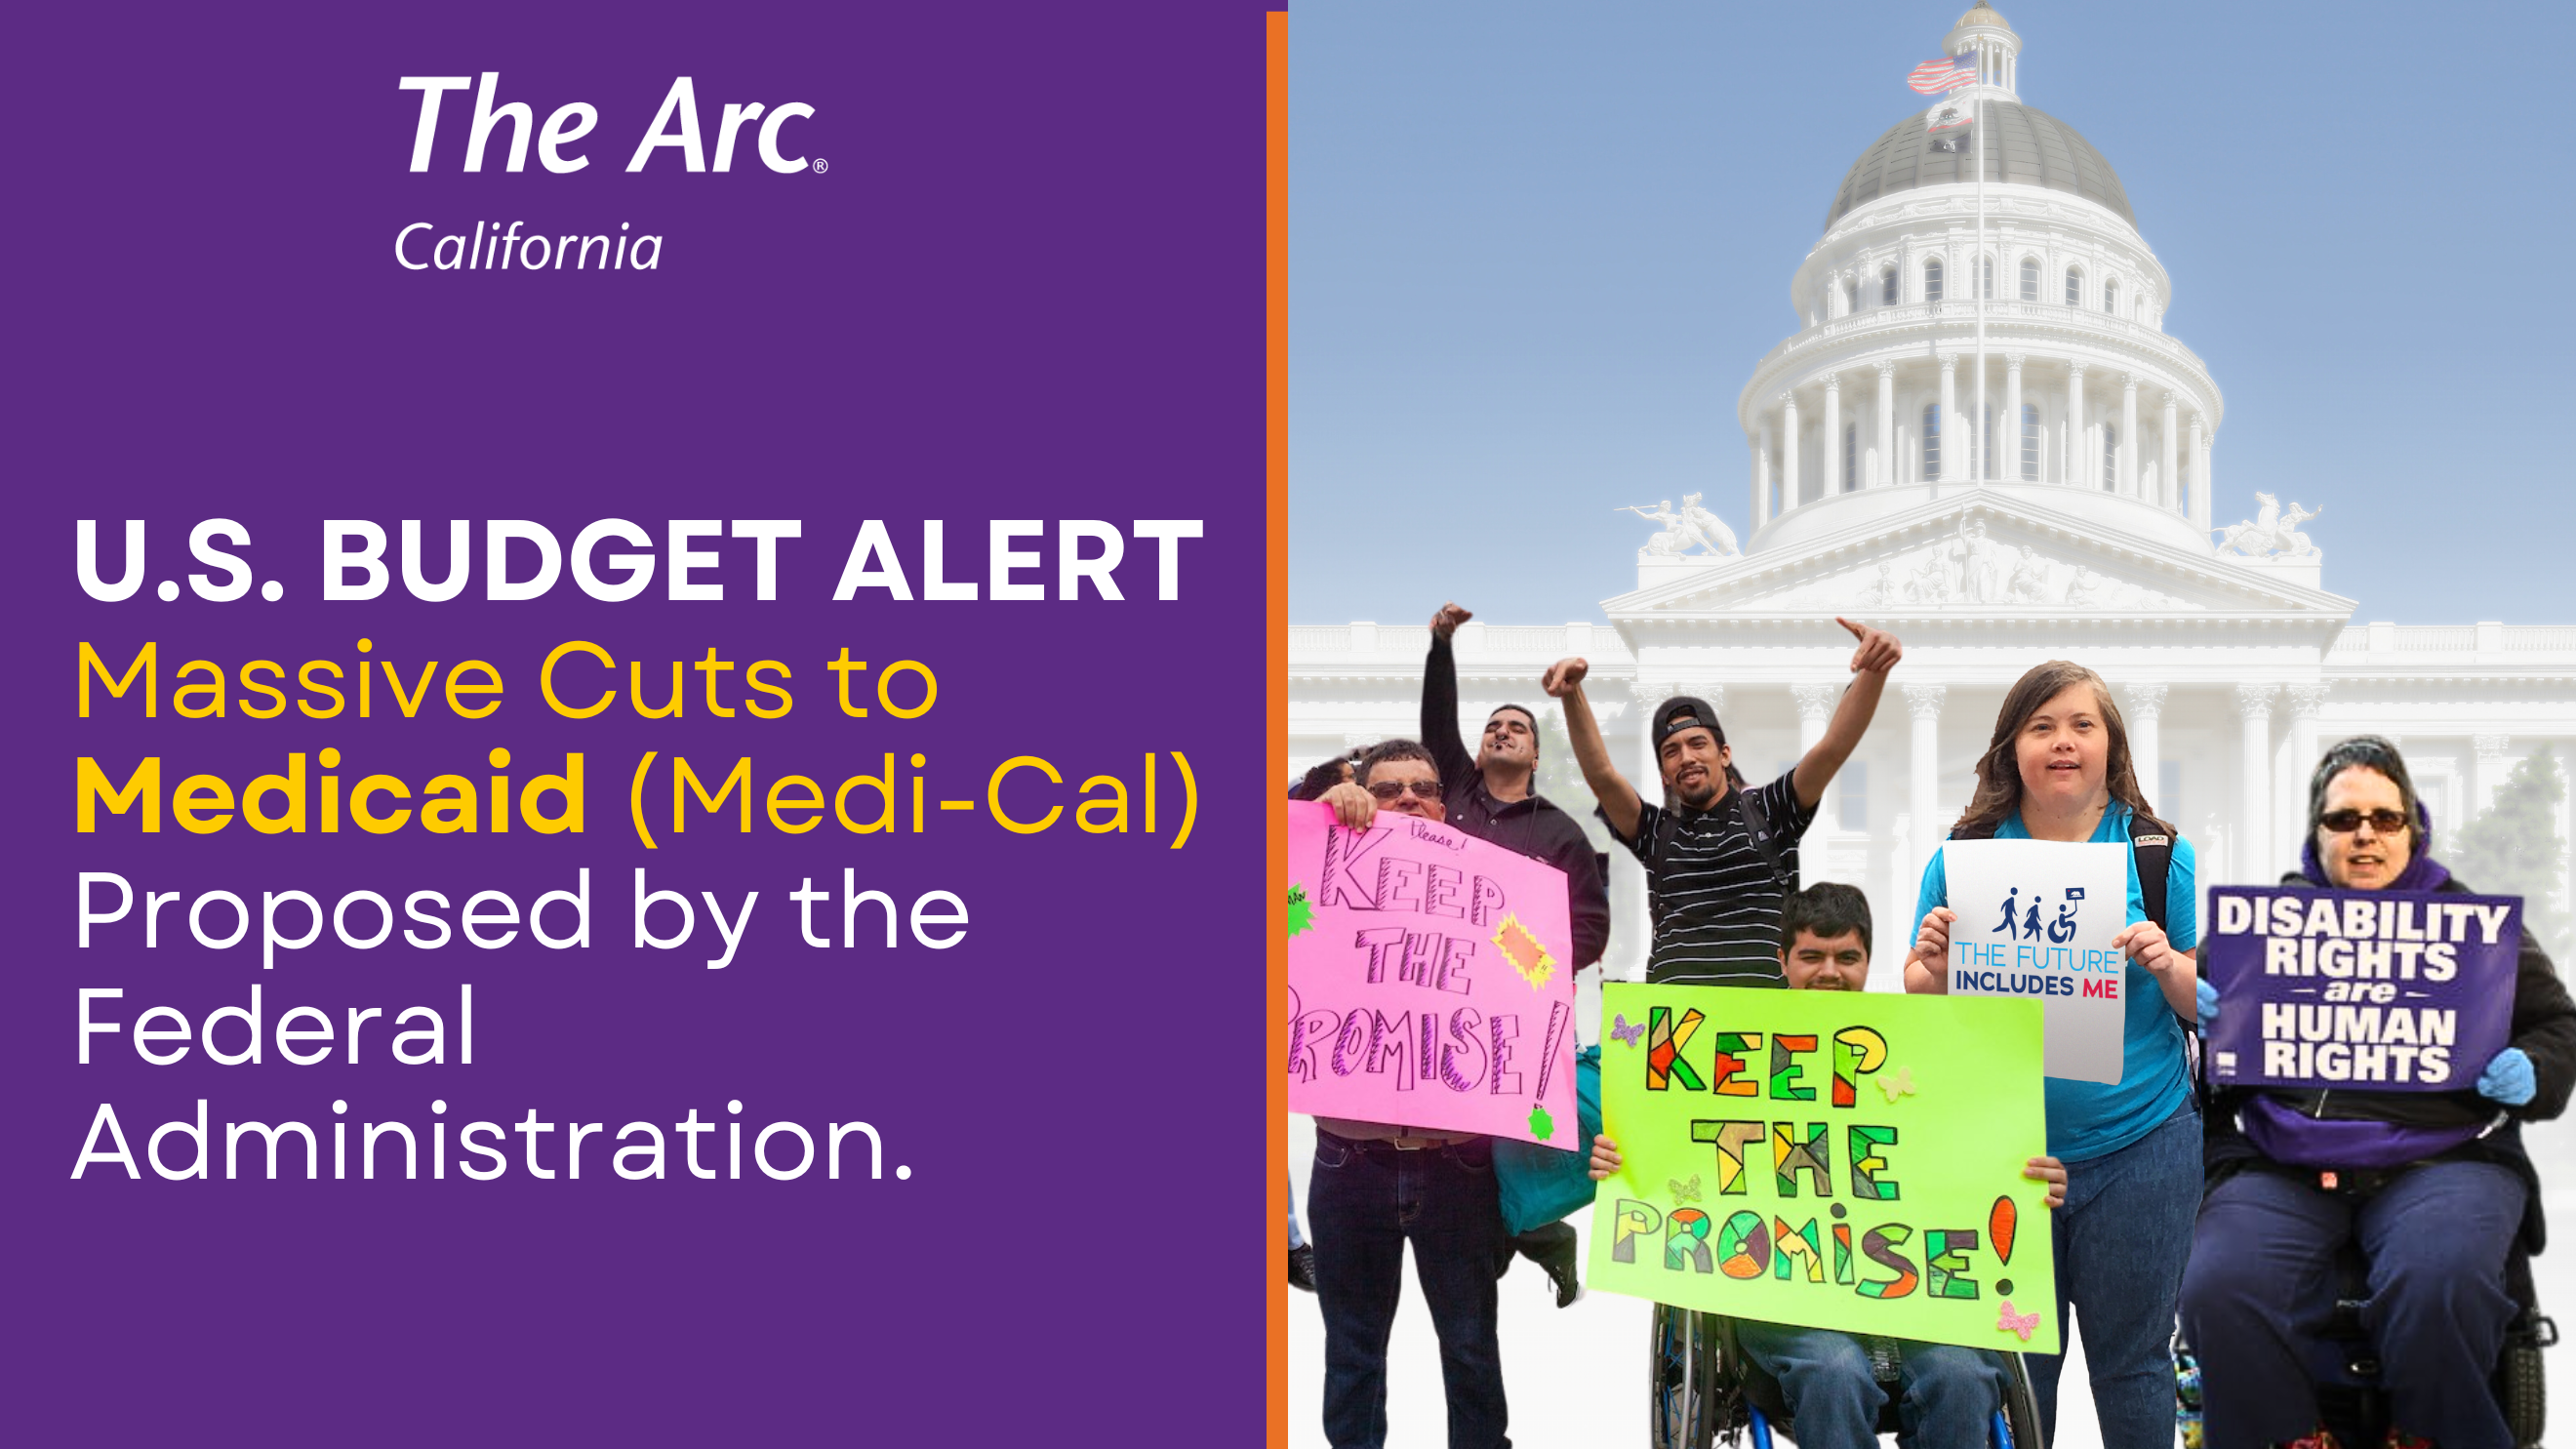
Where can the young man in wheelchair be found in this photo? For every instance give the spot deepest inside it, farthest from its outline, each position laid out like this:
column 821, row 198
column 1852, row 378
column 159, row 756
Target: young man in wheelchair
column 1948, row 1394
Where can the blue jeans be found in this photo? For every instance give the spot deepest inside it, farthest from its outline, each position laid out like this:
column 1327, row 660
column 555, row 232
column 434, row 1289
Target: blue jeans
column 1364, row 1203
column 2262, row 1290
column 2122, row 1239
column 1825, row 1379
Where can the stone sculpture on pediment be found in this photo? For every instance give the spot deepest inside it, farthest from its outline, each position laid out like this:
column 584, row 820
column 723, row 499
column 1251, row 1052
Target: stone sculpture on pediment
column 1979, row 578
column 1709, row 530
column 1929, row 583
column 1884, row 588
column 2030, row 578
column 1693, row 527
column 2269, row 533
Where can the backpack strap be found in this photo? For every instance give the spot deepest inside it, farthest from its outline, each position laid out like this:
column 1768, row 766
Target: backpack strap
column 2152, row 848
column 1757, row 826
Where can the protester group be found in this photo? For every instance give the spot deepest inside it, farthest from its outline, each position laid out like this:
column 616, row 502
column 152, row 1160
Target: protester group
column 2226, row 1218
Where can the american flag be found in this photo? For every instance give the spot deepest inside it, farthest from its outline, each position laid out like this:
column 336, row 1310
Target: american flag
column 1948, row 73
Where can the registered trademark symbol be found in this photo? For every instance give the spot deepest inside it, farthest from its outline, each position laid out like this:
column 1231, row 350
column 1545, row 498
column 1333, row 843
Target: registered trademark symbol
column 820, row 165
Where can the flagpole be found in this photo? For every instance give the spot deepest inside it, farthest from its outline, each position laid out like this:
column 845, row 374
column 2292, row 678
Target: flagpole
column 1983, row 423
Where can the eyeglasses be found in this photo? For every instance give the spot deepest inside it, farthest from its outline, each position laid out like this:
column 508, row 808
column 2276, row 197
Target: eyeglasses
column 1392, row 790
column 2345, row 822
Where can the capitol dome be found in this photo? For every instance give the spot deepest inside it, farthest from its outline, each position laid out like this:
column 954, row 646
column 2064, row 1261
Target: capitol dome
column 2021, row 144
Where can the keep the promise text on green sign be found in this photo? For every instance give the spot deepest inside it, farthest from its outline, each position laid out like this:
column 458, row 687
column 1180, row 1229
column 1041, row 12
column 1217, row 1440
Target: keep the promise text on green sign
column 1828, row 1159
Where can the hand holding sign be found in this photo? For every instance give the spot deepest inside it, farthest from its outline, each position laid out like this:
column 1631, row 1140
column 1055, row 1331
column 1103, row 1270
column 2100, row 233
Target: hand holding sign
column 2509, row 1078
column 1932, row 949
column 2146, row 944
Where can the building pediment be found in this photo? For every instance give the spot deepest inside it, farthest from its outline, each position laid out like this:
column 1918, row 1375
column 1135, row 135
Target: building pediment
column 1978, row 551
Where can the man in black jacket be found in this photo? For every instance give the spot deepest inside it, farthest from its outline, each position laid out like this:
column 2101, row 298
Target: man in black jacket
column 1489, row 797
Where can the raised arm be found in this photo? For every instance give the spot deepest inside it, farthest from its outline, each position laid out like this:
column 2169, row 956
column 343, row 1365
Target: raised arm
column 1440, row 701
column 1877, row 654
column 1564, row 681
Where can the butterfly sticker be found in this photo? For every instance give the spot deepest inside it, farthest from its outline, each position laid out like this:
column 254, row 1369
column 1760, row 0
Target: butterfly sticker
column 1899, row 1085
column 2011, row 1322
column 1684, row 1191
column 1626, row 1033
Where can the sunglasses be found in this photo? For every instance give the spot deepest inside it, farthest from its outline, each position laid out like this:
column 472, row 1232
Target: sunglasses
column 1393, row 790
column 2345, row 822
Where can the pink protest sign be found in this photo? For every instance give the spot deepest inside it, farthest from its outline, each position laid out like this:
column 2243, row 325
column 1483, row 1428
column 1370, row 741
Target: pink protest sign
column 1430, row 981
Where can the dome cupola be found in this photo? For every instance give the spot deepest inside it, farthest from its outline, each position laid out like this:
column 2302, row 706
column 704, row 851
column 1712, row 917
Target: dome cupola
column 1998, row 51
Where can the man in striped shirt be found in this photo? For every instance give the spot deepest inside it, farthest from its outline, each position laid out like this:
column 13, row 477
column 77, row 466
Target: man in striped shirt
column 1720, row 857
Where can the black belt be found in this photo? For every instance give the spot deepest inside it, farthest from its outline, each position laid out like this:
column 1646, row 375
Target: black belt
column 1396, row 1144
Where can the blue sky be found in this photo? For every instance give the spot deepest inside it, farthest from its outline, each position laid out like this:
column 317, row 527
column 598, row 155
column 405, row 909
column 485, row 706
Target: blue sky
column 1535, row 249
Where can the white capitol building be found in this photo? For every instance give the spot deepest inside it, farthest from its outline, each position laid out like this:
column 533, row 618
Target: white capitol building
column 2079, row 527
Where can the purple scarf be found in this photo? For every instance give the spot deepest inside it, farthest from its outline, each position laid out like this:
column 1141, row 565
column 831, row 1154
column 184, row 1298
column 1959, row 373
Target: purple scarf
column 2285, row 1134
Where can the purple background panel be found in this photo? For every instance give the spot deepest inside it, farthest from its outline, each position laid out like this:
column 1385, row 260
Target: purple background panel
column 1027, row 287
column 2481, row 993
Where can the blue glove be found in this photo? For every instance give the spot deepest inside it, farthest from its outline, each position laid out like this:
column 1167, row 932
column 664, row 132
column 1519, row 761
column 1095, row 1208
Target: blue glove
column 2208, row 1003
column 2508, row 1079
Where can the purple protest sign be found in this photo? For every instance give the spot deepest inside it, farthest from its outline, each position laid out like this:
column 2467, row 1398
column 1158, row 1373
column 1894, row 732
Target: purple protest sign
column 2394, row 991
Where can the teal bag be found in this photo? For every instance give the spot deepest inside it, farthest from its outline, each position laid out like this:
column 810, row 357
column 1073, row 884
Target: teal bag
column 1541, row 1184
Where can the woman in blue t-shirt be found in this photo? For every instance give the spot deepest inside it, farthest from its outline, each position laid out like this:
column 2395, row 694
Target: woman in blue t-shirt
column 2058, row 769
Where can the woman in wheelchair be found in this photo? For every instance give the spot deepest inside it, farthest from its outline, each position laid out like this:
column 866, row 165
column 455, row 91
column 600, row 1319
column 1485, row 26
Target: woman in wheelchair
column 2432, row 1187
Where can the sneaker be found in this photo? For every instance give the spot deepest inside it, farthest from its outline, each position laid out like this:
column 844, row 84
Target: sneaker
column 1559, row 1258
column 1301, row 1267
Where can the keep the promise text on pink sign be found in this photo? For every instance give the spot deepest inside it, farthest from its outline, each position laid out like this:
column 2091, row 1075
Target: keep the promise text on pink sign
column 1430, row 980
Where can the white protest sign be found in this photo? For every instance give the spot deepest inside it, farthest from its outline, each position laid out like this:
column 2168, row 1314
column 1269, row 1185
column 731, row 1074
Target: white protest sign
column 2036, row 918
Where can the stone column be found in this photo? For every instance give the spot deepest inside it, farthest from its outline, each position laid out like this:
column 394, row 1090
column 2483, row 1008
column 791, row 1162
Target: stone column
column 1762, row 456
column 2488, row 773
column 2254, row 710
column 1886, row 424
column 1923, row 766
column 2306, row 702
column 1816, row 706
column 2128, row 474
column 1950, row 439
column 1788, row 451
column 1834, row 481
column 2073, row 452
column 1760, row 511
column 2009, row 460
column 2142, row 708
column 2169, row 476
column 2199, row 473
column 2208, row 484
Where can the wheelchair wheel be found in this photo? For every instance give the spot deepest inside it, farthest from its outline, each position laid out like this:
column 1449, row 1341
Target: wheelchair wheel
column 2522, row 1386
column 1681, row 1380
column 2021, row 1405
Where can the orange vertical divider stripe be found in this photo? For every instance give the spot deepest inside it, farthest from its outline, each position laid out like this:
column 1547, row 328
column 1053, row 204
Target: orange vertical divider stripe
column 1275, row 916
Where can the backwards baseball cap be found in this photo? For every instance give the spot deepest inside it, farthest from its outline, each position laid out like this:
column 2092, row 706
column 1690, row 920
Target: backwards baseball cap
column 1683, row 712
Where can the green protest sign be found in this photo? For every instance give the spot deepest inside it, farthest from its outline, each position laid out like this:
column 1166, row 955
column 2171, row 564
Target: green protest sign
column 1828, row 1159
